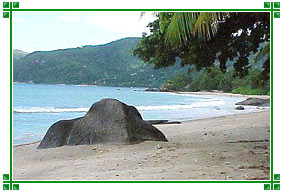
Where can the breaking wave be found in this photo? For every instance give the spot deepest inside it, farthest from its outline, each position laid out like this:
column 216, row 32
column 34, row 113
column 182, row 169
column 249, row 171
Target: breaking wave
column 140, row 108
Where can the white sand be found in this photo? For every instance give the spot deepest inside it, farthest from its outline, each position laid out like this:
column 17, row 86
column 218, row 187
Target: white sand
column 233, row 147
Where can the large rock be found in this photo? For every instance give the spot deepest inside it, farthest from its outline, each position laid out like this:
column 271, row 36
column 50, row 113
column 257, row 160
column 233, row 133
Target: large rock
column 108, row 120
column 254, row 102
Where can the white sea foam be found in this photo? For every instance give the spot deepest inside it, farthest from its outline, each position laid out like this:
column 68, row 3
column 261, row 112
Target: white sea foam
column 140, row 108
column 176, row 107
column 48, row 110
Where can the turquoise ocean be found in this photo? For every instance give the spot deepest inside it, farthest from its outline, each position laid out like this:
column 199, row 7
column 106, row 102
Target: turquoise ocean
column 37, row 106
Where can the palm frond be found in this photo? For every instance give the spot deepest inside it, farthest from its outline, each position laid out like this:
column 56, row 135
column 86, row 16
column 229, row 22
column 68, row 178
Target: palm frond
column 180, row 27
column 186, row 25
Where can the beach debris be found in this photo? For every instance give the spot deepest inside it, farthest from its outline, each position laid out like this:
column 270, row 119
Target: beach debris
column 248, row 141
column 239, row 108
column 261, row 167
column 155, row 122
column 258, row 178
column 158, row 146
column 228, row 177
column 108, row 120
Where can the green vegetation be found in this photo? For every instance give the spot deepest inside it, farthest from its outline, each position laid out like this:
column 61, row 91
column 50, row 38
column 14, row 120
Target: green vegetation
column 213, row 78
column 110, row 64
column 219, row 45
column 18, row 54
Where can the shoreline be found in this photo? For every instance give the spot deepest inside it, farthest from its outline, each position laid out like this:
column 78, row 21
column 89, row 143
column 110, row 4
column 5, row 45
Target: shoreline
column 177, row 92
column 233, row 147
column 223, row 94
column 185, row 121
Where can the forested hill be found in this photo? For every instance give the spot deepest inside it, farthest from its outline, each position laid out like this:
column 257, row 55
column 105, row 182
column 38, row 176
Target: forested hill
column 18, row 54
column 110, row 64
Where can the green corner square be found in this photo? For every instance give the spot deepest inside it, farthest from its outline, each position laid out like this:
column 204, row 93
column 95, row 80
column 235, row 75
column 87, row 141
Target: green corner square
column 16, row 186
column 276, row 14
column 276, row 186
column 266, row 4
column 5, row 176
column 6, row 5
column 276, row 176
column 6, row 187
column 5, row 14
column 276, row 4
column 266, row 186
column 16, row 4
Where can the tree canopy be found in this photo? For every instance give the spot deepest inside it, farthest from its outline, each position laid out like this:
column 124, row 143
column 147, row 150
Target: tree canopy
column 205, row 38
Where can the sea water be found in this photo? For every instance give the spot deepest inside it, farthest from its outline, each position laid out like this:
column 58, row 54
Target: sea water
column 37, row 106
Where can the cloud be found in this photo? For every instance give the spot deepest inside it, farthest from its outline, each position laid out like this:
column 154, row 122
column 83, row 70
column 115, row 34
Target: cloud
column 128, row 22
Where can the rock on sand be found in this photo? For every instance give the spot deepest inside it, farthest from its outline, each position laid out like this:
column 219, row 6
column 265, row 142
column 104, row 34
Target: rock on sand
column 108, row 120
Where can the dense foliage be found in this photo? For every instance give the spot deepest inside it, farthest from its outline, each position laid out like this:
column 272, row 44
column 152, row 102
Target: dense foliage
column 213, row 78
column 111, row 64
column 231, row 37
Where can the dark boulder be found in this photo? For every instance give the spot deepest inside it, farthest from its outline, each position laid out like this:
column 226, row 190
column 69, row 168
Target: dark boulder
column 108, row 120
column 240, row 108
column 152, row 89
column 255, row 102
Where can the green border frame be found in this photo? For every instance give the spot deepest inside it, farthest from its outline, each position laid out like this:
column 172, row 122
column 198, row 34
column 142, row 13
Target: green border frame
column 273, row 184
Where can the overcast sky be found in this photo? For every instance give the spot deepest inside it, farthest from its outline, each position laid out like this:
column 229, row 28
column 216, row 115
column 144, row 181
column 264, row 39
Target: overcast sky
column 43, row 31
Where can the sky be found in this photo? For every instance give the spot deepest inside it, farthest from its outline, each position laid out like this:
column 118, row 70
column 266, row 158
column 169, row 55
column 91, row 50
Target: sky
column 44, row 31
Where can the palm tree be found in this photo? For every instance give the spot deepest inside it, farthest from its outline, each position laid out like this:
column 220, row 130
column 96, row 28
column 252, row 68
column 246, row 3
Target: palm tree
column 179, row 27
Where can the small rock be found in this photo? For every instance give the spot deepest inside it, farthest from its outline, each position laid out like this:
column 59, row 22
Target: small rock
column 158, row 146
column 240, row 108
column 227, row 163
column 94, row 148
column 241, row 167
column 223, row 172
column 205, row 133
column 228, row 177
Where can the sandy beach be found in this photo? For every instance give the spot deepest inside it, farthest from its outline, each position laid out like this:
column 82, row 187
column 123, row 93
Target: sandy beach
column 233, row 147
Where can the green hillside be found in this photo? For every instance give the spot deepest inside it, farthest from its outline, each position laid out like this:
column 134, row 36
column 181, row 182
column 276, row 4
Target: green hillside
column 110, row 64
column 18, row 54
